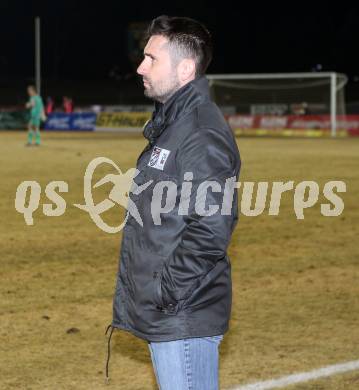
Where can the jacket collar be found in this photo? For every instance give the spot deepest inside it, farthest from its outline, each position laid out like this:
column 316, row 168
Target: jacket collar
column 180, row 103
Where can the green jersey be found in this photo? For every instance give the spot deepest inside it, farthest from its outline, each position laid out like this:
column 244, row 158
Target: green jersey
column 37, row 106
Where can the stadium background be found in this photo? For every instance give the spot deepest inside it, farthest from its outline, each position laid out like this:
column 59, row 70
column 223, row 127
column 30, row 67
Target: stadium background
column 295, row 282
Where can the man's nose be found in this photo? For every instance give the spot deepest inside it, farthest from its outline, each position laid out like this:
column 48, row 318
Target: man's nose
column 141, row 69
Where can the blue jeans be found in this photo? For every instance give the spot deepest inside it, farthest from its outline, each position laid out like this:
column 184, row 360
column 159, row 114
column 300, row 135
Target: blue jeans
column 186, row 364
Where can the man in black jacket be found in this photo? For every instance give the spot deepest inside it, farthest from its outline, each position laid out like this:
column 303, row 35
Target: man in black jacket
column 174, row 281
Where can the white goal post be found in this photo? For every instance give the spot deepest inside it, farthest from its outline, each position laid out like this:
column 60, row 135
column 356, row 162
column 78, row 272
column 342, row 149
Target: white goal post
column 326, row 88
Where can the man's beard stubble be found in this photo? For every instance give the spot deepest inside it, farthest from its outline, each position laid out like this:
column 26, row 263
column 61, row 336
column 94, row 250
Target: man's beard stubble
column 164, row 90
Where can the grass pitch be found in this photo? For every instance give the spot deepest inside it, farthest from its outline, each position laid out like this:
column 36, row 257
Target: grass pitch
column 295, row 282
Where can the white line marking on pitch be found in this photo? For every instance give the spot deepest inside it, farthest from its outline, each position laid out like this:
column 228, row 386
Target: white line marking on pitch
column 301, row 377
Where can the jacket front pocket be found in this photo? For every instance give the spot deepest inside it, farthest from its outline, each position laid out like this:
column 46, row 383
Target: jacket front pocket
column 170, row 308
column 157, row 275
column 142, row 271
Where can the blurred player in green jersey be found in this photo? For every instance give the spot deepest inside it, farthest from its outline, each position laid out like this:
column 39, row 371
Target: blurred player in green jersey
column 37, row 114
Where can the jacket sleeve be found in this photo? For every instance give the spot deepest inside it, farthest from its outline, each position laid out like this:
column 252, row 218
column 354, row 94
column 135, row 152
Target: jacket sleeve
column 210, row 156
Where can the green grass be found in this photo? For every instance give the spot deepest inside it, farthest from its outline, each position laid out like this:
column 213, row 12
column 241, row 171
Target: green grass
column 295, row 282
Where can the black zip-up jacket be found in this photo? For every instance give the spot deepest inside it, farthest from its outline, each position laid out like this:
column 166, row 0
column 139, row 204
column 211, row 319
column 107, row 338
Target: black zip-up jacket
column 174, row 278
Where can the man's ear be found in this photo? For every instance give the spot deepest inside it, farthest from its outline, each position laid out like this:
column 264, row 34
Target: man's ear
column 186, row 70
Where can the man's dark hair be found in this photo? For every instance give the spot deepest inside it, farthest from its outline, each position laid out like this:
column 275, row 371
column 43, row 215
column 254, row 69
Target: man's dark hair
column 188, row 37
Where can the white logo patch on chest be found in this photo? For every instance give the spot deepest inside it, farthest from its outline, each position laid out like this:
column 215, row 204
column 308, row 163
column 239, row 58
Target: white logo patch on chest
column 158, row 158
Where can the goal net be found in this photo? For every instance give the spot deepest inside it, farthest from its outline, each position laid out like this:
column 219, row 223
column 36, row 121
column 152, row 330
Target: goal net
column 282, row 103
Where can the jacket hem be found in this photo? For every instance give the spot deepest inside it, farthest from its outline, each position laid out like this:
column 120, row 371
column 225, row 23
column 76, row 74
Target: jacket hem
column 190, row 333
